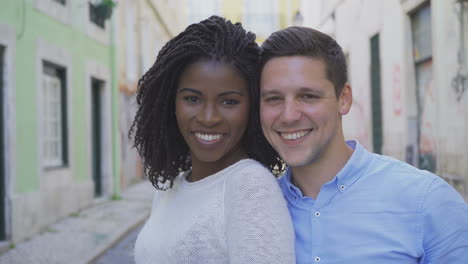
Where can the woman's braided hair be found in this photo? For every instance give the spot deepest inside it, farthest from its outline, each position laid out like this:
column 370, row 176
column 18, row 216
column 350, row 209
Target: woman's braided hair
column 157, row 137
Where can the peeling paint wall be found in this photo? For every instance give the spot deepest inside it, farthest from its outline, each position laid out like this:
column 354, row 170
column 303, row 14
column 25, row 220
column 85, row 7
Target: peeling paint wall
column 438, row 140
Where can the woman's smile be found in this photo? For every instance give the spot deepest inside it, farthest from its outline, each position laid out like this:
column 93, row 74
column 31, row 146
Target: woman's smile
column 208, row 138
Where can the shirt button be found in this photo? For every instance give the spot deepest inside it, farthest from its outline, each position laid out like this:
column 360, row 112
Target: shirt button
column 317, row 259
column 342, row 187
column 317, row 214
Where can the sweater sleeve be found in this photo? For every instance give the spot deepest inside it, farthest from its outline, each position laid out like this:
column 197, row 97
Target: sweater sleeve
column 258, row 224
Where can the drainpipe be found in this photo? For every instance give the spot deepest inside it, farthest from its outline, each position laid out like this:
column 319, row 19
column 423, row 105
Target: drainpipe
column 115, row 108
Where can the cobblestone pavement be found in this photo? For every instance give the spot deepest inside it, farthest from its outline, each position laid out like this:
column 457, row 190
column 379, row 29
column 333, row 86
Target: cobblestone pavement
column 122, row 253
column 84, row 237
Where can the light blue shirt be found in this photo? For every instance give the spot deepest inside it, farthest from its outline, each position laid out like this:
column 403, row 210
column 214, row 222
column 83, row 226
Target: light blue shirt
column 379, row 210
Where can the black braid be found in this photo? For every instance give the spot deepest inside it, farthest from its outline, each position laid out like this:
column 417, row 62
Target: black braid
column 156, row 134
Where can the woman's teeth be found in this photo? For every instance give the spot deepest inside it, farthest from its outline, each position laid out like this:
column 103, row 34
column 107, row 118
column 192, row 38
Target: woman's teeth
column 208, row 137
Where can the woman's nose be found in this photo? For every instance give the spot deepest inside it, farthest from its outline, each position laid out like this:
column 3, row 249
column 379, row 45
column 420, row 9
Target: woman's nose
column 209, row 115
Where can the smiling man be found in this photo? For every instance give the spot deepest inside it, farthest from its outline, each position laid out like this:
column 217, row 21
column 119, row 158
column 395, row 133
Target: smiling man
column 348, row 205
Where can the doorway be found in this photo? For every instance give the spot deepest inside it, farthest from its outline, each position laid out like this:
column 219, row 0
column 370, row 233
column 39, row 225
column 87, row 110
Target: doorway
column 96, row 128
column 2, row 145
column 377, row 127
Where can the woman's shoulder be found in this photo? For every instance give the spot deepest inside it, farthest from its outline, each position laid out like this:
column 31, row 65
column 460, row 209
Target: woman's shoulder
column 250, row 174
column 249, row 168
column 165, row 188
column 247, row 165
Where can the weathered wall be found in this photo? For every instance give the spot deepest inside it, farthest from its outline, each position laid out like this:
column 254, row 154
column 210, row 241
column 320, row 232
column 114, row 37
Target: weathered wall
column 444, row 116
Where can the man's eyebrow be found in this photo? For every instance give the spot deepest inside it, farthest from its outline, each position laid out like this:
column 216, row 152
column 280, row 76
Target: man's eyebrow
column 310, row 89
column 190, row 90
column 265, row 93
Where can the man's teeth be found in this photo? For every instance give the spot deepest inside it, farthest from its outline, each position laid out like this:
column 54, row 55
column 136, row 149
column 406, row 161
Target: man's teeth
column 208, row 137
column 295, row 135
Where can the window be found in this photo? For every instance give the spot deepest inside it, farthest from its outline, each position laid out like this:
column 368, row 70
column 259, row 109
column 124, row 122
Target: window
column 2, row 148
column 422, row 55
column 260, row 16
column 96, row 14
column 202, row 9
column 54, row 114
column 58, row 9
column 63, row 2
column 422, row 36
column 376, row 91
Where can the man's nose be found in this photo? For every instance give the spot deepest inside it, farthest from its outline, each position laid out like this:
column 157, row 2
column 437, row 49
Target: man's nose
column 291, row 112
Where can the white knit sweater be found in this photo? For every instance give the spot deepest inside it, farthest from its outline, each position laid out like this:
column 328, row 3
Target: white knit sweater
column 237, row 215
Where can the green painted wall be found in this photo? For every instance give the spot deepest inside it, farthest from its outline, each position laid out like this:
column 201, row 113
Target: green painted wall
column 31, row 24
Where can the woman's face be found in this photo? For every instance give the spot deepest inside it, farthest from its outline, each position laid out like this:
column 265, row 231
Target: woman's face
column 212, row 110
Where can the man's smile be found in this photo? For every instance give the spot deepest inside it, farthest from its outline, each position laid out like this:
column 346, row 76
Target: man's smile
column 295, row 135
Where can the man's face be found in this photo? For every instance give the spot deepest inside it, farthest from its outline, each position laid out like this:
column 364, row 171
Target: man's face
column 299, row 111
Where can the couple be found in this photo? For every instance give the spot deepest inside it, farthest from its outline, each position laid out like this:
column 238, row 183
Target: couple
column 203, row 107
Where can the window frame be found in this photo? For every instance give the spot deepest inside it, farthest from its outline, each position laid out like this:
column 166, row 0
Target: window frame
column 100, row 34
column 54, row 120
column 250, row 13
column 62, row 59
column 199, row 10
column 55, row 9
column 8, row 40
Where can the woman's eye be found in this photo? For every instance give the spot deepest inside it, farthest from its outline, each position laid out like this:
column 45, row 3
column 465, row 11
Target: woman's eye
column 191, row 99
column 230, row 101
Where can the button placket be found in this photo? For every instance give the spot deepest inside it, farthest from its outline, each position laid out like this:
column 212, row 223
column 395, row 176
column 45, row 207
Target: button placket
column 317, row 230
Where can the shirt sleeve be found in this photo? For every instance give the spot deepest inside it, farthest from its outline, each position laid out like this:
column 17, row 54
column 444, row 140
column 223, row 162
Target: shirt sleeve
column 258, row 224
column 445, row 225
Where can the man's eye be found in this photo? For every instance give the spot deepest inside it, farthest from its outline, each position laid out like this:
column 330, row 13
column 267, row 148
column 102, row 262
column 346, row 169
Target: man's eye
column 272, row 99
column 230, row 102
column 191, row 99
column 309, row 96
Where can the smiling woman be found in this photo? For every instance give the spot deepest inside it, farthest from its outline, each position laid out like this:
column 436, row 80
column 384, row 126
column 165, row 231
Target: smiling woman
column 212, row 115
column 198, row 131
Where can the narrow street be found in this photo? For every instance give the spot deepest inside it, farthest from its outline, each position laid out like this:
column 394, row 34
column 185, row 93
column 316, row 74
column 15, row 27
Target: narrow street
column 122, row 253
column 73, row 186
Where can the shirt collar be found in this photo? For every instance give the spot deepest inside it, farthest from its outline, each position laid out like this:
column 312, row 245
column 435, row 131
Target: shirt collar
column 294, row 191
column 353, row 169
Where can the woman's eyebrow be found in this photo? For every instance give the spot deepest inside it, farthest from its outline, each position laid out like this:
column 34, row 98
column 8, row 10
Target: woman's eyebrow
column 190, row 90
column 231, row 92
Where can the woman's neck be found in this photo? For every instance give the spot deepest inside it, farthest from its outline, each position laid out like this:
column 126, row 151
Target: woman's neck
column 202, row 169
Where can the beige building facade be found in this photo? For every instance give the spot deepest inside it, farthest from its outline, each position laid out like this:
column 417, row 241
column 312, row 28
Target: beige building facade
column 262, row 17
column 143, row 27
column 407, row 64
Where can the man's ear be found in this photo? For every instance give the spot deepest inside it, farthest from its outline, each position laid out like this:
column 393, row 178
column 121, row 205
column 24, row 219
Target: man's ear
column 346, row 99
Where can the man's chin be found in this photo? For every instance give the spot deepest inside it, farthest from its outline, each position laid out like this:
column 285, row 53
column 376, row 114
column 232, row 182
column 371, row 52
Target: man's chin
column 295, row 162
